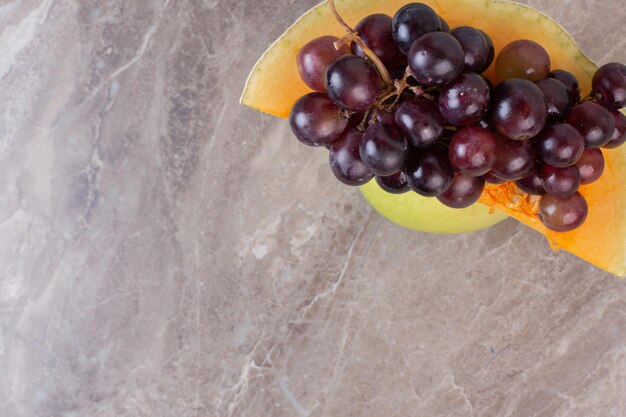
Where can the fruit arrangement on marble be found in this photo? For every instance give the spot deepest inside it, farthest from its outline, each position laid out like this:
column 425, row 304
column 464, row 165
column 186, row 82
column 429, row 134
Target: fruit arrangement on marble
column 453, row 115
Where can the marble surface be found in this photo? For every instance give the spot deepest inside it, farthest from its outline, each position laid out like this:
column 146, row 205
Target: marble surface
column 169, row 252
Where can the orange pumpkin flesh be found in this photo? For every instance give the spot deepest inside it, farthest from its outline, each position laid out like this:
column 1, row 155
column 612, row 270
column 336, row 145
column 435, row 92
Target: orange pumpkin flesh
column 274, row 85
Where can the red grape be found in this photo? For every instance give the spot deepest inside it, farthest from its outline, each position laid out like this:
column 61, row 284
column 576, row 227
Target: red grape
column 475, row 48
column 518, row 109
column 523, row 59
column 590, row 165
column 345, row 161
column 594, row 122
column 514, row 159
column 316, row 120
column 492, row 50
column 473, row 150
column 560, row 181
column 429, row 171
column 531, row 184
column 420, row 121
column 353, row 83
column 463, row 192
column 375, row 32
column 464, row 101
column 558, row 97
column 559, row 144
column 436, row 58
column 619, row 134
column 491, row 178
column 610, row 82
column 411, row 22
column 383, row 149
column 395, row 184
column 563, row 214
column 569, row 80
column 315, row 57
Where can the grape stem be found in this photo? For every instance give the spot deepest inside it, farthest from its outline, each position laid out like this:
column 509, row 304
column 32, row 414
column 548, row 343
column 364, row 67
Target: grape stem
column 353, row 36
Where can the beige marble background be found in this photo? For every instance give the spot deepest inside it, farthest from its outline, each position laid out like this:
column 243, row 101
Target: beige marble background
column 168, row 252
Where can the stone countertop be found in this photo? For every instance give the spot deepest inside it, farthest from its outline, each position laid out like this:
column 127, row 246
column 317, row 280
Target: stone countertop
column 168, row 252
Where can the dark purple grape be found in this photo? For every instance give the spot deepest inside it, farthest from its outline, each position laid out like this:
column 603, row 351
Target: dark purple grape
column 314, row 59
column 464, row 101
column 531, row 184
column 436, row 58
column 345, row 161
column 563, row 214
column 353, row 83
column 473, row 150
column 411, row 22
column 420, row 121
column 590, row 165
column 395, row 184
column 383, row 149
column 444, row 25
column 619, row 134
column 492, row 50
column 518, row 109
column 375, row 32
column 558, row 97
column 492, row 179
column 571, row 83
column 610, row 83
column 559, row 144
column 594, row 122
column 560, row 181
column 475, row 48
column 316, row 120
column 384, row 118
column 522, row 59
column 514, row 159
column 429, row 171
column 463, row 192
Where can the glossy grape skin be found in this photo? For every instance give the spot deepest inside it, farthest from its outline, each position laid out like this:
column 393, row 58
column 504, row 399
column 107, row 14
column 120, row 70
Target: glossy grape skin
column 571, row 83
column 593, row 122
column 375, row 32
column 557, row 96
column 590, row 165
column 395, row 184
column 610, row 83
column 429, row 171
column 559, row 145
column 412, row 21
column 560, row 181
column 436, row 59
column 464, row 101
column 531, row 184
column 383, row 149
column 353, row 83
column 523, row 59
column 518, row 109
column 315, row 57
column 316, row 120
column 514, row 159
column 491, row 178
column 492, row 50
column 563, row 214
column 619, row 134
column 345, row 161
column 463, row 192
column 420, row 121
column 473, row 151
column 475, row 48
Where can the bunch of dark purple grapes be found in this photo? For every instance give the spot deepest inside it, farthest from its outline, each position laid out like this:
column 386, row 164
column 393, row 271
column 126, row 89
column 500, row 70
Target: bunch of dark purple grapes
column 402, row 100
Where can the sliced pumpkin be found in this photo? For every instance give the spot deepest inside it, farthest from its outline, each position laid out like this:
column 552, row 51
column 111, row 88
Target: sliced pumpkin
column 274, row 85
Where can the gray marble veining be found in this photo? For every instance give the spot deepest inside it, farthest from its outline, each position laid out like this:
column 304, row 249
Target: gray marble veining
column 168, row 252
